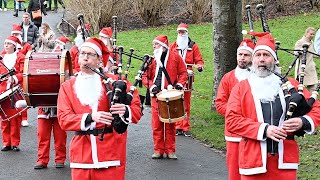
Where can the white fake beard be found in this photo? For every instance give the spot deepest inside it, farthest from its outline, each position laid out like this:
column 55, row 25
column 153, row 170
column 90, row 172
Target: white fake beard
column 182, row 41
column 9, row 60
column 88, row 89
column 265, row 88
column 157, row 54
column 78, row 40
column 242, row 74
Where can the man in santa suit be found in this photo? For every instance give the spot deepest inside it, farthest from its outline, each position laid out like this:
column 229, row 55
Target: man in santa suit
column 106, row 37
column 256, row 111
column 228, row 81
column 190, row 54
column 164, row 133
column 74, row 50
column 12, row 59
column 84, row 107
column 60, row 44
column 17, row 32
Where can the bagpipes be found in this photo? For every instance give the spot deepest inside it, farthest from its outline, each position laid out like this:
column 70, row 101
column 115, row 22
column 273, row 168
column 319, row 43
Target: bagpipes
column 85, row 33
column 116, row 88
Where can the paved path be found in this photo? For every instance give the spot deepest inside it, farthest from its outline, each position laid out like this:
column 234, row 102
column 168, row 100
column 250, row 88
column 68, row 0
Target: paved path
column 196, row 161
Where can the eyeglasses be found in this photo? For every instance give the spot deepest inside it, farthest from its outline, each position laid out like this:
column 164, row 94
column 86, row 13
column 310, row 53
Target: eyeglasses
column 90, row 55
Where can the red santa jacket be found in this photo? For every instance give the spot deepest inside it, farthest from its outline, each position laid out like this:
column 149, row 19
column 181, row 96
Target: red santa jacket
column 227, row 82
column 87, row 151
column 74, row 53
column 175, row 67
column 18, row 65
column 193, row 55
column 244, row 117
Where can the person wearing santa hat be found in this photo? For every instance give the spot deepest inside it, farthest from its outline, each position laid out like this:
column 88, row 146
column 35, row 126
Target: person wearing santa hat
column 12, row 59
column 47, row 123
column 256, row 111
column 60, row 44
column 84, row 107
column 191, row 55
column 228, row 81
column 74, row 50
column 106, row 37
column 164, row 133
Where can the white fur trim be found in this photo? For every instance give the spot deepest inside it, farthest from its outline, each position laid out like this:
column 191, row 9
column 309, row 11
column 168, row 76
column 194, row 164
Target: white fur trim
column 16, row 32
column 82, row 124
column 311, row 123
column 245, row 48
column 265, row 47
column 15, row 79
column 232, row 139
column 183, row 29
column 130, row 114
column 104, row 164
column 261, row 132
column 43, row 116
column 161, row 43
column 281, row 164
column 244, row 32
column 21, row 104
column 94, row 149
column 252, row 171
column 104, row 35
column 10, row 41
column 93, row 46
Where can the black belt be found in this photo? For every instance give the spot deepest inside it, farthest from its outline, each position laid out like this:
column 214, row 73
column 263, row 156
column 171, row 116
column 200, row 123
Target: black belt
column 290, row 137
column 95, row 132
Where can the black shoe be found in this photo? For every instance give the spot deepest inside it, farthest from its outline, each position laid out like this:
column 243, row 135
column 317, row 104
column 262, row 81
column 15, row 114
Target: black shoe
column 187, row 133
column 15, row 148
column 6, row 148
column 179, row 132
column 59, row 165
column 39, row 166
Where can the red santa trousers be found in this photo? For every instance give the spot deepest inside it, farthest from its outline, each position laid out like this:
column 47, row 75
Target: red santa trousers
column 96, row 174
column 24, row 115
column 185, row 124
column 164, row 134
column 273, row 172
column 232, row 160
column 45, row 126
column 121, row 141
column 11, row 131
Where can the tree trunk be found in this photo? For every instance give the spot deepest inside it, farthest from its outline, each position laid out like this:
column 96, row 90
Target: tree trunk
column 226, row 39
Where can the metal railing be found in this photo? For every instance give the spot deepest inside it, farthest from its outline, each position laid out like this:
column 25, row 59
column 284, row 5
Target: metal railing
column 67, row 28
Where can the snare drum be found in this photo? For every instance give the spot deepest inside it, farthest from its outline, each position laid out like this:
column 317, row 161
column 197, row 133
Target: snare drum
column 8, row 101
column 43, row 74
column 188, row 87
column 171, row 106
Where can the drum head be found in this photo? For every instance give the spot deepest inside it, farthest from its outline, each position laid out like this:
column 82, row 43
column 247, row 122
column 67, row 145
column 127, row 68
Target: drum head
column 8, row 92
column 171, row 95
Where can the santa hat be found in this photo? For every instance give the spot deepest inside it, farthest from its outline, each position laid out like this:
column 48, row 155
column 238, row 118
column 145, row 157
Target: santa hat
column 13, row 40
column 99, row 47
column 16, row 28
column 63, row 40
column 246, row 44
column 162, row 40
column 266, row 42
column 183, row 27
column 105, row 32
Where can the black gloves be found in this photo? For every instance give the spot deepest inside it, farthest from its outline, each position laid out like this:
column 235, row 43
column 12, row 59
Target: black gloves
column 178, row 87
column 155, row 90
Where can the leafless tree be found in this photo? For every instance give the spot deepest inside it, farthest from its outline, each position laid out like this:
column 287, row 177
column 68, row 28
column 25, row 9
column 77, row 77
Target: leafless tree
column 226, row 38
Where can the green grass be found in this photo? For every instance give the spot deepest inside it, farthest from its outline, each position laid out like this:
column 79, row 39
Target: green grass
column 208, row 126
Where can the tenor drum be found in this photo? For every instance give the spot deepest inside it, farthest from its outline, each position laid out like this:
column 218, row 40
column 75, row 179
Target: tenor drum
column 43, row 74
column 171, row 106
column 188, row 86
column 9, row 101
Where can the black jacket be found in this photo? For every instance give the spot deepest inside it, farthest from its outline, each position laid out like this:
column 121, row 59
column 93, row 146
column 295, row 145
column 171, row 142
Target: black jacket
column 33, row 34
column 35, row 5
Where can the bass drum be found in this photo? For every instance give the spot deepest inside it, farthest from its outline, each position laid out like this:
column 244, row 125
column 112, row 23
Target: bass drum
column 43, row 74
